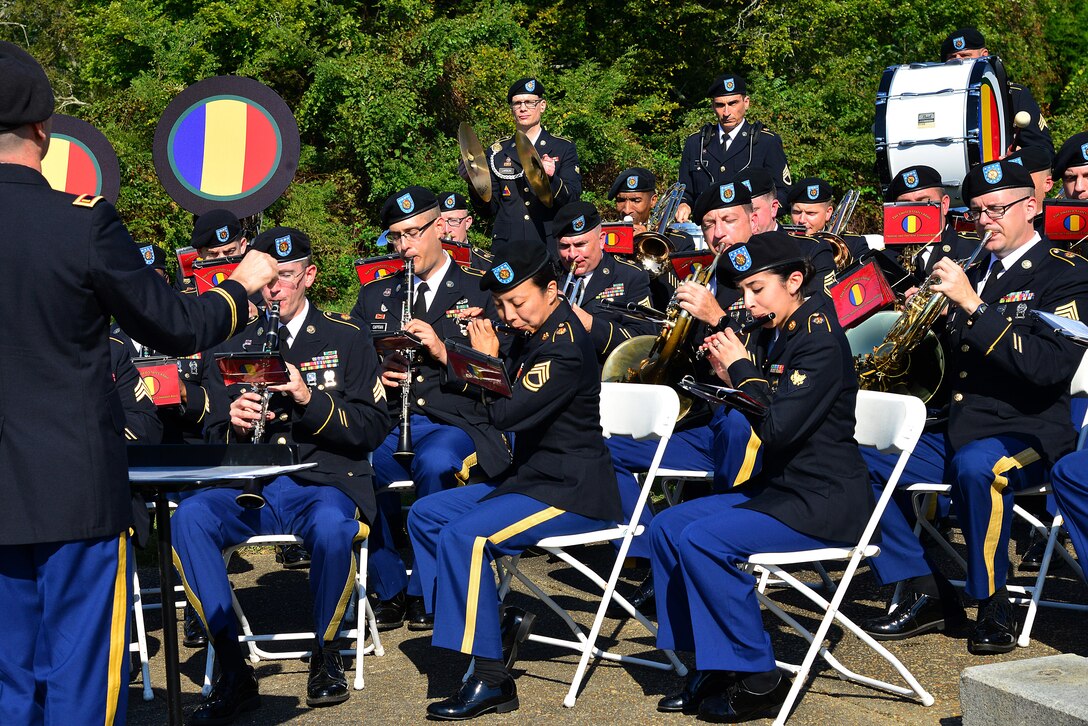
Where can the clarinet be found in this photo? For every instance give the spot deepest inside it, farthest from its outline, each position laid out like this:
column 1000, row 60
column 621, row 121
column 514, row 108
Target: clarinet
column 251, row 496
column 404, row 453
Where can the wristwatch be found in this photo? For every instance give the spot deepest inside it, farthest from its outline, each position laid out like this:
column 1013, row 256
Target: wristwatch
column 982, row 308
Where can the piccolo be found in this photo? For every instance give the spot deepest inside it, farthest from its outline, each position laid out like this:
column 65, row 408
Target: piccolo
column 750, row 326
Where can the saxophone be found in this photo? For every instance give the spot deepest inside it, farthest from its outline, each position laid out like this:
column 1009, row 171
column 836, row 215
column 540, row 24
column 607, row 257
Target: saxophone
column 891, row 365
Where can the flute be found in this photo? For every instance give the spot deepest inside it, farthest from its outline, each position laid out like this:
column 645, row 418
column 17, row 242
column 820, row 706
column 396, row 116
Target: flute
column 750, row 326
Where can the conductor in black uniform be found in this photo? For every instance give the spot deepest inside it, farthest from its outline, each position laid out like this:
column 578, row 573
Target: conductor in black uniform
column 969, row 43
column 593, row 276
column 517, row 212
column 720, row 150
column 69, row 265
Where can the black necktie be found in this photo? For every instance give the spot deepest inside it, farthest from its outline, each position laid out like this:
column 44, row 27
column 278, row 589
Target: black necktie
column 995, row 273
column 285, row 337
column 419, row 308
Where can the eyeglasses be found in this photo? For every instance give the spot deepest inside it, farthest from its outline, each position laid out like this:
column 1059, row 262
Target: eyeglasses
column 526, row 104
column 412, row 234
column 456, row 221
column 290, row 279
column 994, row 211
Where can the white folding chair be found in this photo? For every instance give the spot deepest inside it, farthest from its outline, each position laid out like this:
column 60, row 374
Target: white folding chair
column 892, row 424
column 140, row 644
column 641, row 412
column 256, row 653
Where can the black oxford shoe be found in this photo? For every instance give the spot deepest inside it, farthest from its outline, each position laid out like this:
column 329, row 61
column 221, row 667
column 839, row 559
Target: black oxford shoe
column 476, row 698
column 195, row 635
column 917, row 613
column 417, row 616
column 327, row 684
column 233, row 694
column 516, row 626
column 293, row 557
column 700, row 684
column 740, row 704
column 995, row 631
column 389, row 614
column 642, row 599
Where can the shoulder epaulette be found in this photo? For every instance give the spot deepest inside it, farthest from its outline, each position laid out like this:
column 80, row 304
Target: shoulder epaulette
column 117, row 340
column 819, row 320
column 473, row 271
column 86, row 200
column 627, row 262
column 387, row 278
column 1070, row 258
column 342, row 318
column 561, row 138
column 564, row 329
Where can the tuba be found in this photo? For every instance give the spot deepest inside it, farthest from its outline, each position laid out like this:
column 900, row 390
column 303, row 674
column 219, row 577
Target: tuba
column 664, row 358
column 909, row 358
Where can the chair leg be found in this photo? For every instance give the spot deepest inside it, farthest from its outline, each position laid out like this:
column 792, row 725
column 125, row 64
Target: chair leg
column 141, row 635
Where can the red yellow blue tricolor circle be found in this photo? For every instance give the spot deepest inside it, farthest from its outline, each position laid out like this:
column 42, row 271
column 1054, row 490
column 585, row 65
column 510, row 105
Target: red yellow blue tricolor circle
column 1074, row 222
column 80, row 160
column 152, row 384
column 911, row 223
column 857, row 294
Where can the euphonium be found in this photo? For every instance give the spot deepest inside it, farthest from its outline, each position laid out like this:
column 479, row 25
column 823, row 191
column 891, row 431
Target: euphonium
column 909, row 359
column 836, row 227
column 652, row 247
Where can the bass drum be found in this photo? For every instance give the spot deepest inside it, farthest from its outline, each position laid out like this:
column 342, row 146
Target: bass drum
column 921, row 372
column 950, row 116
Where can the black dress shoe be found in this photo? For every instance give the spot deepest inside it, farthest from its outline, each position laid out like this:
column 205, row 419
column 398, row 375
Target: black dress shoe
column 516, row 626
column 476, row 698
column 917, row 613
column 642, row 599
column 1033, row 555
column 389, row 614
column 417, row 616
column 195, row 635
column 293, row 557
column 740, row 704
column 995, row 630
column 233, row 693
column 327, row 684
column 700, row 684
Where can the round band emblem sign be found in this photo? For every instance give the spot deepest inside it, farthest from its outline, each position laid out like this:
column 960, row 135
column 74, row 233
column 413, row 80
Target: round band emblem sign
column 81, row 160
column 226, row 142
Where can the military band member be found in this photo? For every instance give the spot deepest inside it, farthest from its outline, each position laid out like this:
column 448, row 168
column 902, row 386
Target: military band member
column 458, row 222
column 561, row 481
column 635, row 193
column 446, row 424
column 1040, row 163
column 720, row 150
column 593, row 276
column 969, row 43
column 333, row 409
column 517, row 211
column 811, row 492
column 812, row 204
column 1069, row 482
column 923, row 184
column 1071, row 166
column 1008, row 419
column 218, row 234
column 65, row 568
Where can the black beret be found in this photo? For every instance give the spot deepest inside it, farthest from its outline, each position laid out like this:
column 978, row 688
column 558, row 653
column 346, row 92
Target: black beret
column 512, row 263
column 962, row 39
column 810, row 190
column 524, row 86
column 1074, row 152
column 285, row 244
column 407, row 203
column 154, row 256
column 761, row 252
column 757, row 180
column 1033, row 158
column 992, row 177
column 720, row 196
column 912, row 179
column 575, row 218
column 727, row 85
column 633, row 180
column 25, row 94
column 451, row 201
column 215, row 228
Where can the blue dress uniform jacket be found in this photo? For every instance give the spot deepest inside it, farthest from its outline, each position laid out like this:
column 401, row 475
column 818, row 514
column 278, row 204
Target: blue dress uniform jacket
column 434, row 394
column 1036, row 133
column 69, row 264
column 618, row 282
column 518, row 213
column 1009, row 373
column 704, row 164
column 813, row 478
column 346, row 417
column 559, row 454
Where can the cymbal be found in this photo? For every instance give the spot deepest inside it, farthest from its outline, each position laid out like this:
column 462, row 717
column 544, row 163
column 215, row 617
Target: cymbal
column 472, row 154
column 534, row 168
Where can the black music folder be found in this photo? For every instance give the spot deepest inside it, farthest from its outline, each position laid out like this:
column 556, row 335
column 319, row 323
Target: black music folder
column 478, row 369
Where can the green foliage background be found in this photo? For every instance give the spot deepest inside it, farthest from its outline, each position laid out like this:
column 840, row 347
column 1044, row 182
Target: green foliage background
column 378, row 87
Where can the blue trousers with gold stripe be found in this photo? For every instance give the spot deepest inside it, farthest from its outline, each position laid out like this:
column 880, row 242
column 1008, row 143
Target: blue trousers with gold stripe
column 323, row 516
column 456, row 537
column 64, row 642
column 440, row 452
column 705, row 602
column 983, row 475
column 1070, row 484
column 728, row 447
